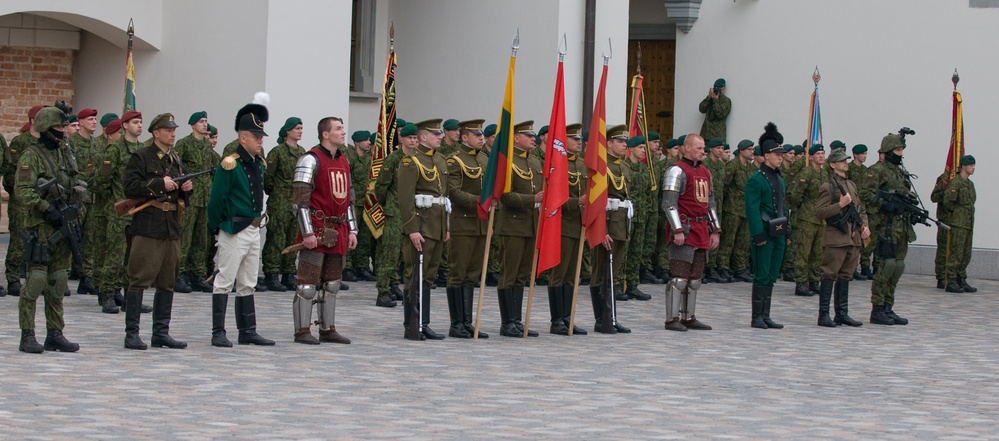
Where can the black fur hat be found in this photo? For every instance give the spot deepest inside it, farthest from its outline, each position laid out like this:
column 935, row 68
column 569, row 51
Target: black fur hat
column 258, row 108
column 771, row 141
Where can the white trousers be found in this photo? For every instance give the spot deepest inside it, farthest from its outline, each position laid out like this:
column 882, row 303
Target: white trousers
column 237, row 261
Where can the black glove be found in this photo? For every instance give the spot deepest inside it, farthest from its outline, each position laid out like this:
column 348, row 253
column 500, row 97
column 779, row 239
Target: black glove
column 890, row 208
column 53, row 217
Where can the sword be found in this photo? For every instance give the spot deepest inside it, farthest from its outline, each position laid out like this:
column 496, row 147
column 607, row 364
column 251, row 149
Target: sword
column 610, row 257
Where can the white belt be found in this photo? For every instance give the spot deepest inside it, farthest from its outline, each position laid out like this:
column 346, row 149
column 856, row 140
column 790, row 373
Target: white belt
column 425, row 201
column 614, row 204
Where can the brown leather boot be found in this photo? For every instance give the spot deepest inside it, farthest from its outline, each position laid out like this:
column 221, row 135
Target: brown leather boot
column 304, row 335
column 331, row 336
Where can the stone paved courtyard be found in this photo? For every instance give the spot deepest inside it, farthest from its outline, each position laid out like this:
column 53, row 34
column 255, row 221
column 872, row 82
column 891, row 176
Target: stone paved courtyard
column 933, row 379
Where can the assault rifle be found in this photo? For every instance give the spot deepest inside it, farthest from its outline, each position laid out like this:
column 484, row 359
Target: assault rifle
column 70, row 230
column 896, row 202
column 132, row 206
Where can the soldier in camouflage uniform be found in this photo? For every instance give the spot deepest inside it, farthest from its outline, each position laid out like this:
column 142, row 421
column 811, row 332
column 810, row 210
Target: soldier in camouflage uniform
column 85, row 147
column 943, row 215
column 388, row 252
column 715, row 163
column 282, row 228
column 806, row 229
column 858, row 174
column 359, row 259
column 715, row 107
column 102, row 141
column 47, row 272
column 100, row 214
column 649, row 265
column 672, row 154
column 733, row 253
column 959, row 200
column 451, row 142
column 110, row 178
column 196, row 153
column 14, row 262
column 541, row 141
column 895, row 230
column 642, row 224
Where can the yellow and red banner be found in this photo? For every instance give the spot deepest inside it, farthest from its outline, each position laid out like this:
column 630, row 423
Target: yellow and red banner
column 595, row 210
column 374, row 217
column 956, row 150
column 638, row 127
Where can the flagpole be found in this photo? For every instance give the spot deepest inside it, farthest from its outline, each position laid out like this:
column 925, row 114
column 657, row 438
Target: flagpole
column 530, row 291
column 482, row 277
column 575, row 283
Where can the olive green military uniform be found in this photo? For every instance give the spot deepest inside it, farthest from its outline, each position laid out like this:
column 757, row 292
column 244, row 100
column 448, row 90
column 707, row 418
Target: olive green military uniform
column 282, row 226
column 733, row 253
column 959, row 200
column 86, row 151
column 196, row 155
column 806, row 231
column 662, row 241
column 715, row 112
column 517, row 226
column 389, row 247
column 447, row 149
column 618, row 176
column 14, row 262
column 563, row 276
column 717, row 169
column 943, row 215
column 468, row 232
column 642, row 223
column 230, row 148
column 110, row 178
column 360, row 169
column 841, row 250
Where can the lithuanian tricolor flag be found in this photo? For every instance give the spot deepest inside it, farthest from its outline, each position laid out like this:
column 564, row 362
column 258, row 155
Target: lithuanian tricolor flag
column 497, row 178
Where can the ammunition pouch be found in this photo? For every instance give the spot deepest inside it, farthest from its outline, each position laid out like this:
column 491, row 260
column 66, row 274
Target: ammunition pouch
column 886, row 247
column 775, row 226
column 35, row 252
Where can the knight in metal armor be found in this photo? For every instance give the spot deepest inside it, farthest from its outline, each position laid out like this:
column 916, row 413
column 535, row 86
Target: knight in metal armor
column 694, row 227
column 324, row 198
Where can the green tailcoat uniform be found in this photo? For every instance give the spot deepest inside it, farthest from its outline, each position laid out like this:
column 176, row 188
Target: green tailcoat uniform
column 282, row 224
column 889, row 177
column 465, row 170
column 959, row 200
column 517, row 220
column 360, row 170
column 715, row 112
column 232, row 194
column 733, row 252
column 806, row 242
column 760, row 200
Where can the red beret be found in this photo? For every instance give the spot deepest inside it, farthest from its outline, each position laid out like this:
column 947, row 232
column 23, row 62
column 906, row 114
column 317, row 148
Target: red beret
column 112, row 127
column 26, row 127
column 34, row 111
column 130, row 115
column 86, row 113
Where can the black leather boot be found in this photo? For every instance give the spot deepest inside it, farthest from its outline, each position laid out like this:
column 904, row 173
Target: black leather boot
column 598, row 311
column 162, row 309
column 28, row 342
column 289, row 281
column 801, row 289
column 953, row 286
column 555, row 306
column 866, row 272
column 430, row 334
column 634, row 293
column 606, row 300
column 965, row 286
column 744, row 276
column 567, row 310
column 768, row 295
column 273, row 282
column 517, row 312
column 183, row 284
column 14, row 288
column 467, row 295
column 411, row 319
column 724, row 276
column 396, row 292
column 219, row 303
column 106, row 299
column 895, row 317
column 492, row 279
column 86, row 286
column 133, row 309
column 620, row 294
column 507, row 328
column 813, row 287
column 825, row 296
column 710, row 276
column 246, row 322
column 757, row 299
column 878, row 316
column 55, row 341
column 841, row 301
column 145, row 309
column 457, row 312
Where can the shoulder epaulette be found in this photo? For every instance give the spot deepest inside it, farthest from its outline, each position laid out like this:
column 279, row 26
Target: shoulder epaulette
column 229, row 162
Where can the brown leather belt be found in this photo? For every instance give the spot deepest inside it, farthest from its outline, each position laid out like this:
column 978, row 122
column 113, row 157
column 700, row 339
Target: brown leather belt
column 250, row 221
column 165, row 206
column 318, row 214
column 685, row 218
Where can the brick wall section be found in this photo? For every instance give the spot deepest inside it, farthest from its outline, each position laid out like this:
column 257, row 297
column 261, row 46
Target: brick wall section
column 28, row 77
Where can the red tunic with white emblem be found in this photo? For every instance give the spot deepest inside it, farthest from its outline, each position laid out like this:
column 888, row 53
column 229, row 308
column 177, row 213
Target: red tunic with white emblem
column 331, row 197
column 693, row 204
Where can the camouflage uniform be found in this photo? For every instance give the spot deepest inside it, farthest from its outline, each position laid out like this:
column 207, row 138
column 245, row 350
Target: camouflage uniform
column 360, row 169
column 858, row 174
column 943, row 215
column 959, row 199
column 641, row 225
column 715, row 112
column 230, row 148
column 110, row 178
column 388, row 253
column 448, row 149
column 282, row 226
column 733, row 253
column 806, row 231
column 92, row 223
column 15, row 249
column 717, row 169
column 196, row 155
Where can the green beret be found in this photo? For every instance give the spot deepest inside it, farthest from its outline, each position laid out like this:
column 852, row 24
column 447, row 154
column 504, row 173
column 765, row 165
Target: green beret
column 212, row 130
column 451, row 124
column 653, row 136
column 815, row 149
column 586, row 135
column 837, row 156
column 408, row 130
column 727, row 147
column 72, row 119
column 636, row 141
column 543, row 131
column 681, row 139
column 289, row 124
column 373, row 138
column 745, row 144
column 720, row 82
column 48, row 118
column 714, row 142
column 756, row 151
column 108, row 117
column 360, row 135
column 859, row 148
column 799, row 150
column 672, row 144
column 490, row 130
column 891, row 142
column 967, row 160
column 538, row 141
column 196, row 116
column 399, row 122
column 837, row 144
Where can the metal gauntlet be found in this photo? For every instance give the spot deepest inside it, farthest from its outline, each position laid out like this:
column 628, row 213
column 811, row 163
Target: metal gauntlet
column 351, row 220
column 714, row 220
column 305, row 221
column 673, row 217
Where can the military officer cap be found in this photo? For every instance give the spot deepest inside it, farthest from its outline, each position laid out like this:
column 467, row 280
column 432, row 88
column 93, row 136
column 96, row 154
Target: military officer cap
column 720, row 82
column 837, row 145
column 212, row 130
column 114, row 126
column 859, row 148
column 636, row 141
column 837, row 156
column 543, row 131
column 673, row 143
column 681, row 140
column 72, row 119
column 799, row 149
column 891, row 142
column 408, row 130
column 653, row 136
column 744, row 144
column 815, row 148
column 360, row 135
column 967, row 160
column 130, row 115
column 490, row 130
column 525, row 128
column 619, row 131
column 574, row 131
column 162, row 121
column 196, row 116
column 714, row 142
column 86, row 113
column 108, row 117
column 472, row 125
column 432, row 125
column 451, row 124
column 48, row 118
column 373, row 138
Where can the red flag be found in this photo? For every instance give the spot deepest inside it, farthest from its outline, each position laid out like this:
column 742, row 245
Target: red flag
column 595, row 212
column 956, row 151
column 556, row 183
